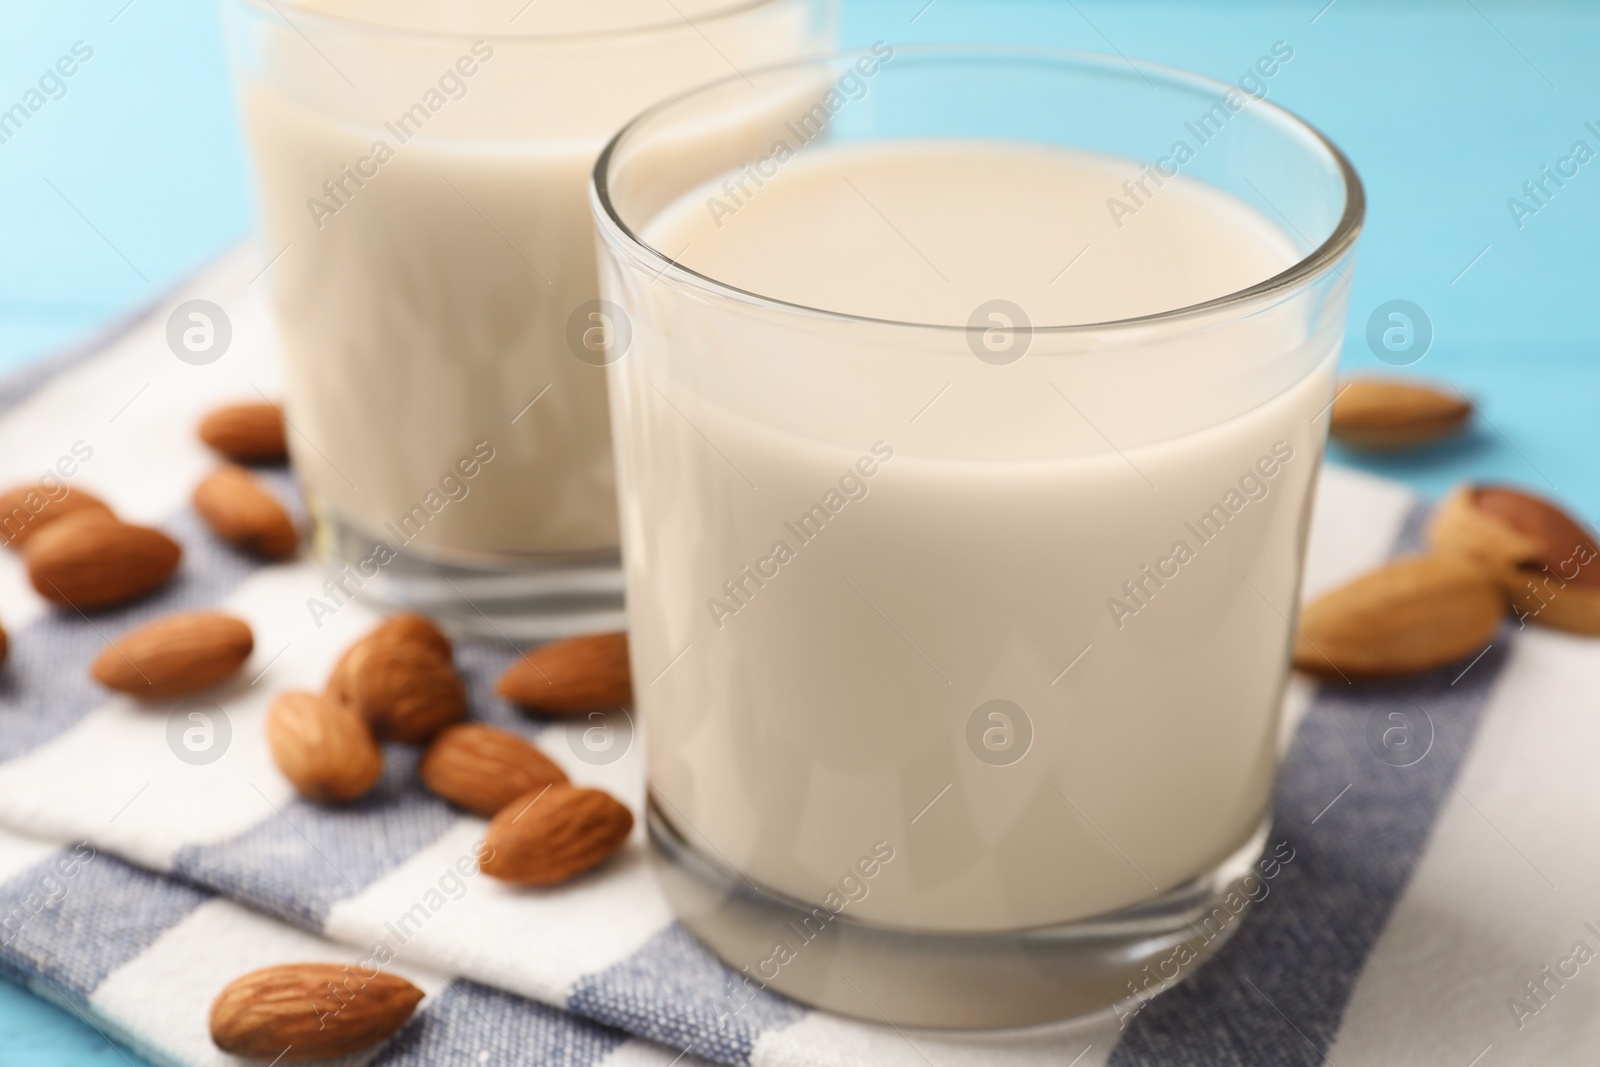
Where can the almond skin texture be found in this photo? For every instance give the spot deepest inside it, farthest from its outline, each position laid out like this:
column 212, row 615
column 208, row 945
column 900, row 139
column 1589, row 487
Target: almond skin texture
column 1381, row 414
column 571, row 677
column 483, row 769
column 1413, row 615
column 88, row 560
column 241, row 511
column 174, row 656
column 405, row 689
column 546, row 839
column 323, row 747
column 405, row 628
column 1547, row 562
column 410, row 628
column 246, row 433
column 314, row 1010
column 25, row 510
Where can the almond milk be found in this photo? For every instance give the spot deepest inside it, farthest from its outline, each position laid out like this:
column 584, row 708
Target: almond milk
column 1034, row 639
column 422, row 180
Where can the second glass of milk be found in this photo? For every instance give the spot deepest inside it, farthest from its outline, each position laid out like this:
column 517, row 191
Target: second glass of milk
column 421, row 173
column 967, row 436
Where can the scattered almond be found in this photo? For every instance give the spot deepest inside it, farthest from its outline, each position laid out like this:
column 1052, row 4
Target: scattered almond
column 247, row 433
column 552, row 834
column 26, row 509
column 1413, row 615
column 571, row 677
column 1382, row 414
column 90, row 560
column 309, row 1011
column 482, row 769
column 1544, row 559
column 176, row 655
column 241, row 511
column 401, row 682
column 323, row 747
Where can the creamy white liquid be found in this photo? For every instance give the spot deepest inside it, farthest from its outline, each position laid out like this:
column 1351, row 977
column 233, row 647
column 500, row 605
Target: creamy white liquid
column 831, row 709
column 520, row 16
column 424, row 302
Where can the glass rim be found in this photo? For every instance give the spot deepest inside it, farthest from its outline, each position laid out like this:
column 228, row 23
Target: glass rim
column 1309, row 266
column 730, row 9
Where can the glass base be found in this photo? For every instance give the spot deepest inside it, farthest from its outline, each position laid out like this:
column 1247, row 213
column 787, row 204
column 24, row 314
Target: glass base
column 519, row 600
column 1109, row 963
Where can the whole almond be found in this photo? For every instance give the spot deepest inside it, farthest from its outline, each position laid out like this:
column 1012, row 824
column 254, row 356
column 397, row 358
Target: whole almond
column 1547, row 562
column 5, row 646
column 1382, row 414
column 241, row 511
column 176, row 655
column 323, row 747
column 571, row 677
column 27, row 509
column 483, row 769
column 310, row 1011
column 405, row 689
column 1412, row 615
column 247, row 433
column 552, row 834
column 89, row 560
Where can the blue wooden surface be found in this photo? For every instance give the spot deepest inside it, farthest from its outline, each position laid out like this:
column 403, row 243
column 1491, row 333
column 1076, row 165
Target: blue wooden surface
column 135, row 176
column 34, row 1033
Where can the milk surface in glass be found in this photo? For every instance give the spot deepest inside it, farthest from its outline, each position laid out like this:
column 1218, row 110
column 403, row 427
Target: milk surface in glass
column 841, row 599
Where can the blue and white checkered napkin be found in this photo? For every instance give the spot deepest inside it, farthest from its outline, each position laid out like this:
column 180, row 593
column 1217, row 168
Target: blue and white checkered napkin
column 1431, row 913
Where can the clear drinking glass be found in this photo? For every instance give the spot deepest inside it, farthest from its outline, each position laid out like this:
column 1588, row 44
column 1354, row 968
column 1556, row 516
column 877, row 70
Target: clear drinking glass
column 421, row 172
column 942, row 727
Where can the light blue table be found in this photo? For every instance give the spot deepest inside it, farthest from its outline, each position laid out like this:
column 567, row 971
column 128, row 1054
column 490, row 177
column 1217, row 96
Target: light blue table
column 135, row 176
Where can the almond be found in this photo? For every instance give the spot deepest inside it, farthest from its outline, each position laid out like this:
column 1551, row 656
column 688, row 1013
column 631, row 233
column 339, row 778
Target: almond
column 176, row 655
column 1412, row 615
column 89, row 560
column 1547, row 562
column 240, row 510
column 400, row 682
column 27, row 509
column 1381, row 414
column 483, row 769
column 571, row 677
column 310, row 1011
column 247, row 433
column 323, row 747
column 552, row 834
column 5, row 646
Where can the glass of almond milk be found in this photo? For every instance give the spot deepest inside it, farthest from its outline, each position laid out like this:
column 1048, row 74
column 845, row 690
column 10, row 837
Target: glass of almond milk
column 421, row 170
column 966, row 440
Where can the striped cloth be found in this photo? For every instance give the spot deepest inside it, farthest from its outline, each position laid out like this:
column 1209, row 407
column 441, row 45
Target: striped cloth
column 1441, row 905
